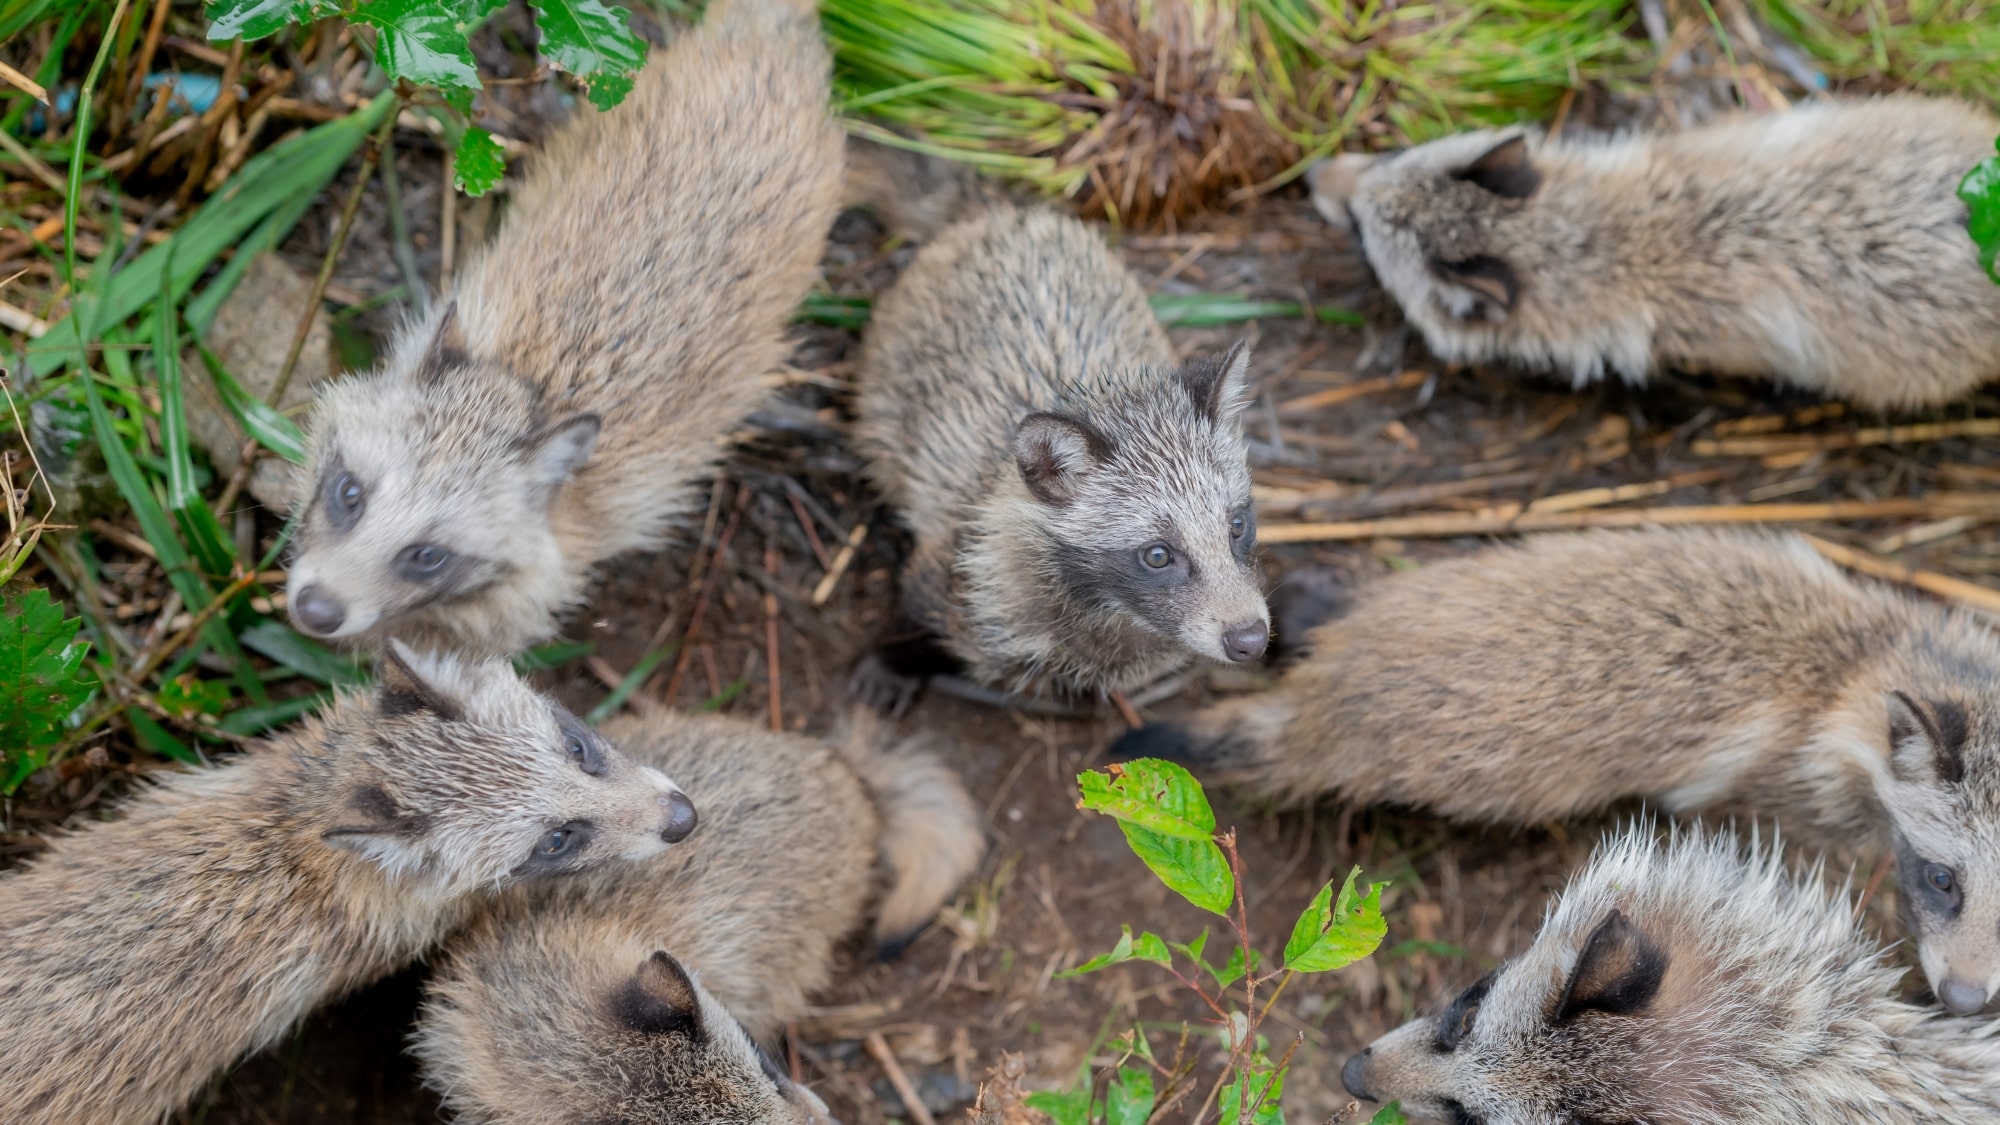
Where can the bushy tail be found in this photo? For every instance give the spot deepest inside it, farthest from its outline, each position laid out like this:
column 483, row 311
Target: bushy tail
column 932, row 839
column 1229, row 743
column 914, row 195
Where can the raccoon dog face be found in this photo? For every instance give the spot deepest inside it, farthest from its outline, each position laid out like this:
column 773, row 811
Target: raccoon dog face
column 1432, row 219
column 1947, row 817
column 1146, row 498
column 466, row 777
column 425, row 503
column 680, row 1059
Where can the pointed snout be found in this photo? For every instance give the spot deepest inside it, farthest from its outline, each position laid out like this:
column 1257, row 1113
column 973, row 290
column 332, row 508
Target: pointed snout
column 316, row 611
column 1246, row 640
column 1962, row 997
column 1354, row 1075
column 681, row 818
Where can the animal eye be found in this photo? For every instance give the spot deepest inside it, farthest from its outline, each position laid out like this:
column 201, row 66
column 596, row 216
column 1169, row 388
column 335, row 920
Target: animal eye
column 426, row 558
column 574, row 744
column 555, row 843
column 347, row 491
column 1158, row 556
column 1237, row 526
column 1941, row 879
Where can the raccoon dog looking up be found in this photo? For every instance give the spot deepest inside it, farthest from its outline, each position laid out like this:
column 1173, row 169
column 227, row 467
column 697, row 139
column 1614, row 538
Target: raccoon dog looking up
column 557, row 408
column 1825, row 247
column 1686, row 985
column 1079, row 502
column 580, row 1002
column 1703, row 671
column 142, row 955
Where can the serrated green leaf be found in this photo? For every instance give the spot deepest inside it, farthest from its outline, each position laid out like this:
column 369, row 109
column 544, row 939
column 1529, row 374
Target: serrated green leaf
column 1334, row 933
column 1391, row 1114
column 249, row 19
column 1260, row 1090
column 421, row 40
column 41, row 680
column 1129, row 1098
column 1980, row 189
column 1156, row 795
column 592, row 42
column 480, row 162
column 1145, row 947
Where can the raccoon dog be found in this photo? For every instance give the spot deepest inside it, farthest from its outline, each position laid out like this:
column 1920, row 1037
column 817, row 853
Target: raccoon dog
column 1824, row 247
column 1079, row 503
column 1686, row 985
column 639, row 998
column 1702, row 671
column 140, row 956
column 557, row 408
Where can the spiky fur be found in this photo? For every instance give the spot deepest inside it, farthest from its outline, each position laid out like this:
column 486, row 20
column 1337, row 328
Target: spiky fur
column 558, row 406
column 140, row 956
column 1824, row 246
column 523, row 1024
column 1017, row 344
column 1704, row 671
column 1773, row 1008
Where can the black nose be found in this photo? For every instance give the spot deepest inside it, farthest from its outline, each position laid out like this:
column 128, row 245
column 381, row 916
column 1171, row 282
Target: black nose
column 681, row 818
column 1354, row 1075
column 1246, row 641
column 318, row 611
column 1962, row 997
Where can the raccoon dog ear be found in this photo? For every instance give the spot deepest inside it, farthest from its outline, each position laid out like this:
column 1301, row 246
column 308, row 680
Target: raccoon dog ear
column 1333, row 182
column 401, row 690
column 447, row 347
column 556, row 452
column 1618, row 970
column 1505, row 170
column 1218, row 384
column 1927, row 740
column 383, row 827
column 660, row 999
column 1055, row 453
column 1491, row 281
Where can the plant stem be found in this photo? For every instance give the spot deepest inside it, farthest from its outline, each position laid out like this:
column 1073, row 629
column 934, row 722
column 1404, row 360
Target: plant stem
column 80, row 137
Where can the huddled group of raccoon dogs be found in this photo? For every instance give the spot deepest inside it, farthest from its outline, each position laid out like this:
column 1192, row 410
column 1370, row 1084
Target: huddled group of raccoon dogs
column 620, row 919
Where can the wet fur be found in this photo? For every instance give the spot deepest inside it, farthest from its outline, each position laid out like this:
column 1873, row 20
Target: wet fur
column 1688, row 984
column 1825, row 247
column 520, row 1025
column 140, row 956
column 559, row 405
column 1706, row 672
column 1021, row 409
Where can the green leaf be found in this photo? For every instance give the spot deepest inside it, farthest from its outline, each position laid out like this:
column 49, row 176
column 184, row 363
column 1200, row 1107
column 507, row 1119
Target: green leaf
column 301, row 654
column 268, row 427
column 250, row 19
column 592, row 42
column 1145, row 947
column 1209, row 310
column 1233, row 971
column 1260, row 1090
column 1129, row 1099
column 41, row 680
column 1334, row 934
column 545, row 657
column 611, row 703
column 1071, row 1108
column 421, row 40
column 181, row 490
column 1980, row 189
column 151, row 735
column 1168, row 824
column 480, row 162
column 1193, row 950
column 1391, row 1114
column 839, row 312
column 262, row 717
column 185, row 696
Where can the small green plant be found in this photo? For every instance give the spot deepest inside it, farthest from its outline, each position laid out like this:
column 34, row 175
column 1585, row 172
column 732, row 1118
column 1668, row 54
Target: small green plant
column 425, row 42
column 1167, row 820
column 1981, row 191
column 42, row 680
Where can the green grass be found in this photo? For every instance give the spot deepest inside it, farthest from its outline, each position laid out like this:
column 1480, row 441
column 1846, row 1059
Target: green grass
column 1942, row 46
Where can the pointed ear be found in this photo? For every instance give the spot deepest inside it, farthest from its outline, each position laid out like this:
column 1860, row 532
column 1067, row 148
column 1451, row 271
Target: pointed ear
column 401, row 690
column 557, row 451
column 1333, row 182
column 660, row 999
column 1490, row 277
column 1927, row 740
column 1219, row 384
column 1505, row 170
column 447, row 347
column 381, row 826
column 1619, row 970
column 1055, row 452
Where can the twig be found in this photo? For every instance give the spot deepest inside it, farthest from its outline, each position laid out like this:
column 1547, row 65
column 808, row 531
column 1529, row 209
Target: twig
column 1874, row 884
column 35, row 165
column 841, row 561
column 448, row 216
column 1445, row 526
column 399, row 223
column 701, row 599
column 16, row 319
column 200, row 618
column 1334, row 396
column 806, row 525
column 26, row 84
column 771, row 635
column 1943, row 586
column 1872, row 435
column 1126, row 711
column 879, row 1047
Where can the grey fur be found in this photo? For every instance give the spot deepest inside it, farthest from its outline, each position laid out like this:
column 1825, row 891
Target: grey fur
column 525, row 1024
column 1689, row 984
column 1708, row 672
column 1824, row 247
column 140, row 956
column 1020, row 407
column 559, row 406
